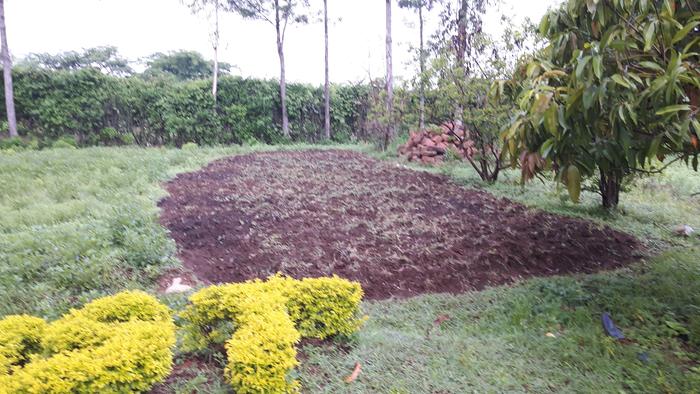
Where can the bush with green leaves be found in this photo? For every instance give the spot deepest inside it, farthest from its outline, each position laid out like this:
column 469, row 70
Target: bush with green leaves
column 101, row 109
column 614, row 94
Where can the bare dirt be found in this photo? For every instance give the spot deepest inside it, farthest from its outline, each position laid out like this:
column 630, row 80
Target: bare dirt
column 397, row 231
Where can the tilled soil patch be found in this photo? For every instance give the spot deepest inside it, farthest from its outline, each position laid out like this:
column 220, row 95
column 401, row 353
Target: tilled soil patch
column 397, row 231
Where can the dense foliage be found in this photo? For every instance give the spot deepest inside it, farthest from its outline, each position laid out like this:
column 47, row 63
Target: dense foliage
column 183, row 65
column 115, row 344
column 615, row 93
column 261, row 322
column 99, row 109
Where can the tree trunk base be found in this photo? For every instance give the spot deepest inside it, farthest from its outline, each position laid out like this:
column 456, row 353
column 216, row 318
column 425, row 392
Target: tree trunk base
column 609, row 187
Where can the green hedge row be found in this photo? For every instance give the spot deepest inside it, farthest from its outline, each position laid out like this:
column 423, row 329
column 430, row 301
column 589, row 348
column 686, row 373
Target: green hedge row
column 97, row 109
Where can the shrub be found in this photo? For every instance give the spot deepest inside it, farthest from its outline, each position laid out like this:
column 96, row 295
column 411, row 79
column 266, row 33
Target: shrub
column 260, row 322
column 65, row 141
column 18, row 144
column 321, row 307
column 100, row 109
column 189, row 146
column 119, row 344
column 20, row 336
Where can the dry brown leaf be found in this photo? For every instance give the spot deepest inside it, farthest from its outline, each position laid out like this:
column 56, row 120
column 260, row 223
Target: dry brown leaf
column 355, row 373
column 441, row 319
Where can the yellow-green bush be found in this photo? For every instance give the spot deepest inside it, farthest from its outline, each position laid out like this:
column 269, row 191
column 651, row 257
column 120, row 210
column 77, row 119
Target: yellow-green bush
column 260, row 323
column 20, row 336
column 118, row 344
column 321, row 307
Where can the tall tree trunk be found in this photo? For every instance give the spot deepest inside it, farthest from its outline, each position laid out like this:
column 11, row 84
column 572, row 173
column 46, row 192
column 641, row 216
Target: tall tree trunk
column 283, row 80
column 609, row 187
column 421, row 124
column 7, row 74
column 461, row 54
column 215, row 82
column 327, row 87
column 389, row 80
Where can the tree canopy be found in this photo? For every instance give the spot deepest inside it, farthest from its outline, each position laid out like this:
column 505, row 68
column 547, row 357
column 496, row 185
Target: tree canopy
column 104, row 58
column 615, row 93
column 184, row 65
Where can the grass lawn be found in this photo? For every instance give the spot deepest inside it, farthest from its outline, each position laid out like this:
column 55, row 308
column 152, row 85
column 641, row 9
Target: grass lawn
column 78, row 224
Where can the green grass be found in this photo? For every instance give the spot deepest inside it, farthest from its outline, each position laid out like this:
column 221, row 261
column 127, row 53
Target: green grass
column 77, row 224
column 495, row 340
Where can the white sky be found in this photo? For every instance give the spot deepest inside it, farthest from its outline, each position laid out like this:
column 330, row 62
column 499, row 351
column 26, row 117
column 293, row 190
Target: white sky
column 139, row 28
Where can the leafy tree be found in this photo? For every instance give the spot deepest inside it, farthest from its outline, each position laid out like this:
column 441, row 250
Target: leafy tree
column 465, row 61
column 183, row 65
column 615, row 93
column 278, row 13
column 7, row 74
column 420, row 6
column 105, row 58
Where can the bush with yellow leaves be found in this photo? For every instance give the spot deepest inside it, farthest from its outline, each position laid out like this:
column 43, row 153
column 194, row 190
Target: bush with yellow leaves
column 261, row 322
column 119, row 344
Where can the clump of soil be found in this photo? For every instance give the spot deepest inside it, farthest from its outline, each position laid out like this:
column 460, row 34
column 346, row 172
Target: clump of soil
column 397, row 231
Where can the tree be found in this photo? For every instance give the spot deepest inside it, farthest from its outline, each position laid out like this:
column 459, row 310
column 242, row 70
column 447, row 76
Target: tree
column 389, row 134
column 278, row 13
column 105, row 58
column 198, row 6
column 420, row 6
column 183, row 65
column 7, row 75
column 614, row 94
column 466, row 61
column 327, row 85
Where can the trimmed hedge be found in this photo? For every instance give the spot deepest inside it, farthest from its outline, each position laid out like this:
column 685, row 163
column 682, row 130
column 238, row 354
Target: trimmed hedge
column 119, row 344
column 261, row 322
column 99, row 109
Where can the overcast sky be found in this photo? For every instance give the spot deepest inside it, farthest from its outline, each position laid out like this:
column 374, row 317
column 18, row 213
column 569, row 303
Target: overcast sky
column 142, row 27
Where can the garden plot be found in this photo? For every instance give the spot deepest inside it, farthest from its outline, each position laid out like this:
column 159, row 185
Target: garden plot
column 397, row 231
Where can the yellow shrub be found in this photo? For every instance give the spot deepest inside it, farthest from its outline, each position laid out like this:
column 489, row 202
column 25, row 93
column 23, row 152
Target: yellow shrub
column 261, row 353
column 20, row 337
column 322, row 307
column 264, row 321
column 119, row 344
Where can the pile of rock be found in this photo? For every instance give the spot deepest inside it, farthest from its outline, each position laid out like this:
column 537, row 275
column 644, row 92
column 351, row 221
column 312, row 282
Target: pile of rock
column 431, row 146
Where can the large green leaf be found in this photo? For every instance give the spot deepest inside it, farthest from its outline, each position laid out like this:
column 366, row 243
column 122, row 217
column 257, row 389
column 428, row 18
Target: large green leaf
column 681, row 34
column 550, row 119
column 673, row 108
column 649, row 36
column 621, row 81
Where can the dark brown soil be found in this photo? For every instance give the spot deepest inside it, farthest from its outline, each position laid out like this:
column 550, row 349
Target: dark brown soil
column 397, row 231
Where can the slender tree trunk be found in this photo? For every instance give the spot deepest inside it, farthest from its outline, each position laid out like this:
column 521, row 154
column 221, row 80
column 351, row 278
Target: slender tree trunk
column 421, row 89
column 283, row 80
column 327, row 87
column 7, row 74
column 609, row 187
column 461, row 54
column 389, row 80
column 215, row 82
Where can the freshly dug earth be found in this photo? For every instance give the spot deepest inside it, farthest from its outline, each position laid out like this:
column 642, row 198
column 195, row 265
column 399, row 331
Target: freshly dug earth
column 397, row 231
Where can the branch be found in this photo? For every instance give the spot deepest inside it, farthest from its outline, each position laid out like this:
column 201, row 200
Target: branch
column 659, row 170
